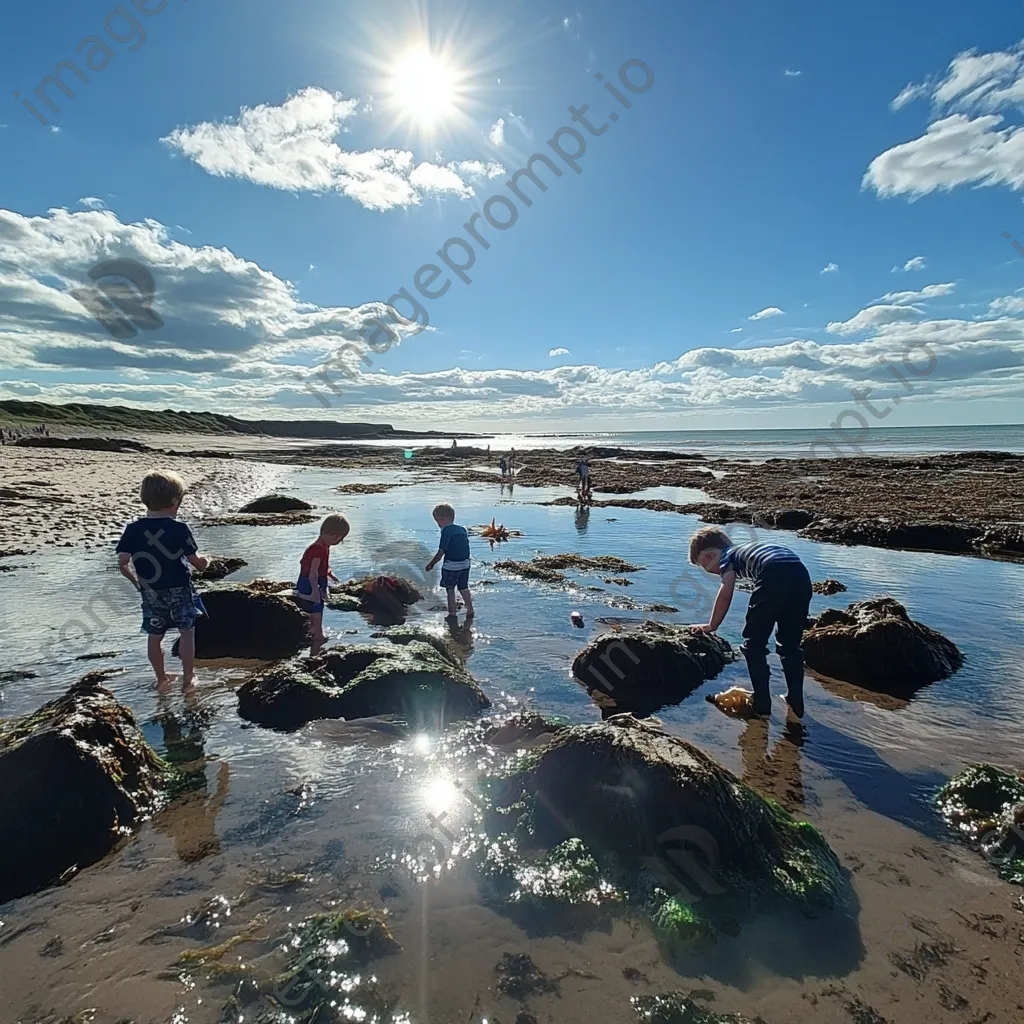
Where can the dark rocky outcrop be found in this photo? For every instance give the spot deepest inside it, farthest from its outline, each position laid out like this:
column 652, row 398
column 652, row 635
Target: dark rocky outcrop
column 86, row 444
column 645, row 669
column 74, row 777
column 417, row 681
column 245, row 623
column 985, row 806
column 875, row 644
column 384, row 598
column 828, row 587
column 622, row 813
column 276, row 503
column 219, row 568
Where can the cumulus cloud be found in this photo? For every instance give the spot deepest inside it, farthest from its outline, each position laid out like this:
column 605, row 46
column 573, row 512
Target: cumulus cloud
column 874, row 317
column 558, row 352
column 914, row 263
column 497, row 132
column 293, row 147
column 792, row 74
column 1007, row 305
column 221, row 313
column 92, row 203
column 830, row 268
column 930, row 291
column 968, row 141
column 764, row 314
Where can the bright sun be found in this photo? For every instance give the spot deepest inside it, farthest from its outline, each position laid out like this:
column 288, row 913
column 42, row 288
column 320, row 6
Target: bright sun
column 424, row 87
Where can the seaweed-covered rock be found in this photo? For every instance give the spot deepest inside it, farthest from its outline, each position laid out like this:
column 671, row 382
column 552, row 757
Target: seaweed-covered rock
column 74, row 777
column 632, row 791
column 385, row 598
column 645, row 669
column 678, row 1008
column 219, row 568
column 406, row 634
column 243, row 622
column 876, row 644
column 985, row 805
column 414, row 680
column 276, row 503
column 828, row 587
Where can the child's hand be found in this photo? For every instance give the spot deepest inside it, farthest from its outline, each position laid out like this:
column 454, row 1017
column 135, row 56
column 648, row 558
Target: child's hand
column 702, row 627
column 331, row 576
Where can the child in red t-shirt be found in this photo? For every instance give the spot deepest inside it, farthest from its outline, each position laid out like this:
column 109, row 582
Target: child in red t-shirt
column 315, row 571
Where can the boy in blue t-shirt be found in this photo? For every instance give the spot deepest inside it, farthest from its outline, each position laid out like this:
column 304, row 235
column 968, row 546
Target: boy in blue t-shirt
column 454, row 549
column 781, row 598
column 154, row 553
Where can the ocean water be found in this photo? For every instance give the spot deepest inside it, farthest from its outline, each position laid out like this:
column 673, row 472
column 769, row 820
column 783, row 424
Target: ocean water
column 756, row 445
column 335, row 800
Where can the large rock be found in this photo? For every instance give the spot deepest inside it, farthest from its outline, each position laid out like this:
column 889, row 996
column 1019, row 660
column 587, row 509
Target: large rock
column 876, row 644
column 622, row 812
column 985, row 805
column 218, row 568
column 276, row 503
column 244, row 623
column 411, row 679
column 74, row 777
column 385, row 598
column 644, row 670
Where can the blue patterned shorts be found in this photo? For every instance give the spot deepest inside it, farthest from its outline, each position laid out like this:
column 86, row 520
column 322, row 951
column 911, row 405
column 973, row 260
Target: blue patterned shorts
column 173, row 608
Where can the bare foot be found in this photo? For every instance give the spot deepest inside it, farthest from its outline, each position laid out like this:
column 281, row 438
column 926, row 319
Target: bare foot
column 164, row 683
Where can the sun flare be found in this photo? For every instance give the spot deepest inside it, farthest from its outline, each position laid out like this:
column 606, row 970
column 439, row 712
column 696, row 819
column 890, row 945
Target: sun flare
column 424, row 87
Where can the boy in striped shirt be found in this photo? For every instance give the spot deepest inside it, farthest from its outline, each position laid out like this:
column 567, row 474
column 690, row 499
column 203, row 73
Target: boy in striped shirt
column 781, row 598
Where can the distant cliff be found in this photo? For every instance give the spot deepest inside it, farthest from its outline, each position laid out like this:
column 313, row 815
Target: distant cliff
column 121, row 419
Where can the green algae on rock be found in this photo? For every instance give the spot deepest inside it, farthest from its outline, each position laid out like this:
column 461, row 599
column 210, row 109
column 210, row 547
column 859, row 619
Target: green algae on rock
column 678, row 1008
column 875, row 644
column 245, row 622
column 645, row 669
column 985, row 805
column 75, row 777
column 624, row 812
column 413, row 680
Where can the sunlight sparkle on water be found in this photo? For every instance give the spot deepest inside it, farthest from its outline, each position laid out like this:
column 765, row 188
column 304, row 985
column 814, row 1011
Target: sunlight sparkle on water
column 440, row 795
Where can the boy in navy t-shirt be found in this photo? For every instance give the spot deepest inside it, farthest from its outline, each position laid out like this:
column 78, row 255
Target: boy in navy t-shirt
column 453, row 547
column 781, row 597
column 154, row 553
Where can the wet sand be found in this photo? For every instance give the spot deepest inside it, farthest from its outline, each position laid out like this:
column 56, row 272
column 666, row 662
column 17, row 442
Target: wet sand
column 933, row 934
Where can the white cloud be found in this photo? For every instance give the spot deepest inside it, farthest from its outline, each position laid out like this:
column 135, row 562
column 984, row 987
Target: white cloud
column 915, row 263
column 764, row 314
column 967, row 142
column 497, row 132
column 736, row 330
column 830, row 268
column 930, row 291
column 221, row 314
column 792, row 74
column 92, row 203
column 872, row 318
column 558, row 352
column 1008, row 305
column 292, row 147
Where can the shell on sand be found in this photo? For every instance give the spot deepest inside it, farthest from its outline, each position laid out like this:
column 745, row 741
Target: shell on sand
column 735, row 701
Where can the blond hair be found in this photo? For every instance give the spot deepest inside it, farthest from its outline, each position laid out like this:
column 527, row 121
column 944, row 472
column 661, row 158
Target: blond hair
column 161, row 490
column 444, row 511
column 708, row 537
column 335, row 525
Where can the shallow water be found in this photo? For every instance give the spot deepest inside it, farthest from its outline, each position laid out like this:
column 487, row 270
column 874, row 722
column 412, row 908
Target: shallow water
column 334, row 800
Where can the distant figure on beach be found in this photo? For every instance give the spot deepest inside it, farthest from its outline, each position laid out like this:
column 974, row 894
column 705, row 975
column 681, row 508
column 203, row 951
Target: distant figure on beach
column 153, row 554
column 503, row 466
column 453, row 547
column 583, row 486
column 512, row 462
column 781, row 598
column 314, row 574
column 455, row 444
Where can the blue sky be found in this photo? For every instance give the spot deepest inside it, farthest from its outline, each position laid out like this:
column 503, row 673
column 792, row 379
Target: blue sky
column 258, row 159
